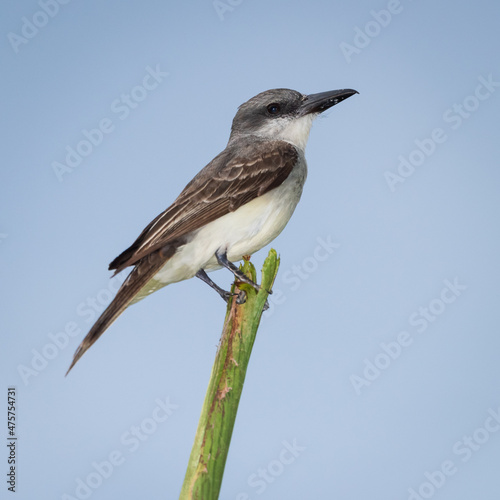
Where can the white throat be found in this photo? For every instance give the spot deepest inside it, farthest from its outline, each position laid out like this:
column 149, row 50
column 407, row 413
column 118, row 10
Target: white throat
column 292, row 130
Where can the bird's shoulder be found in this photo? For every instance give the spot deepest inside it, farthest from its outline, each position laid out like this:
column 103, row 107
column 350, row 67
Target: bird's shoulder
column 249, row 157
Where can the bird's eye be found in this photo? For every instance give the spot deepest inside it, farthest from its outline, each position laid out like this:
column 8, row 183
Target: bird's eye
column 274, row 108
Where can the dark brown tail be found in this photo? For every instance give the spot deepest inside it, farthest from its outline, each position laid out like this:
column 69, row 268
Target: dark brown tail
column 136, row 280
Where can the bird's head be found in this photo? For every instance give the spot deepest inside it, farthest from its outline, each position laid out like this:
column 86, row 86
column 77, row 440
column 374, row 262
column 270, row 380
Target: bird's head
column 283, row 114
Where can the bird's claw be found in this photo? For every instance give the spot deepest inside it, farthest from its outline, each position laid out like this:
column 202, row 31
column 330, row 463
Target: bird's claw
column 242, row 297
column 227, row 295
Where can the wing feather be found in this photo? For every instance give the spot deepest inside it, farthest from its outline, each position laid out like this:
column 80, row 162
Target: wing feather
column 233, row 178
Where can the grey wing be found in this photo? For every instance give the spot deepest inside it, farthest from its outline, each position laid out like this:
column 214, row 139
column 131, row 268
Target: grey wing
column 232, row 179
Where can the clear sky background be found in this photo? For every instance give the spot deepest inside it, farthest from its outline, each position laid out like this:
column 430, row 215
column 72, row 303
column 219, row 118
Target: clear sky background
column 378, row 362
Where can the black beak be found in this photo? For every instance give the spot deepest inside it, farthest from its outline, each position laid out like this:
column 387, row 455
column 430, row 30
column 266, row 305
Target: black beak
column 317, row 103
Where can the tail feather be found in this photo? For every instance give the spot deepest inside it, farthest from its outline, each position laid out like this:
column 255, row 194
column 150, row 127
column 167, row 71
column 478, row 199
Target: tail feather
column 135, row 281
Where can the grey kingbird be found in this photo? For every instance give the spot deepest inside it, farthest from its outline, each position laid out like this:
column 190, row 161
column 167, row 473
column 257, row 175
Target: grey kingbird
column 233, row 207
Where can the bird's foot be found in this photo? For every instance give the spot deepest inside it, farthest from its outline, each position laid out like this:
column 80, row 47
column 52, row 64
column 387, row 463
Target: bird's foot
column 242, row 297
column 223, row 293
column 226, row 295
column 240, row 275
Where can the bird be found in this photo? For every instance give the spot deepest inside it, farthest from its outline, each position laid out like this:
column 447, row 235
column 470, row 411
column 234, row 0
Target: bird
column 237, row 204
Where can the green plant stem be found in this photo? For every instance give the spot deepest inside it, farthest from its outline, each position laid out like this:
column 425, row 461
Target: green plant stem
column 211, row 444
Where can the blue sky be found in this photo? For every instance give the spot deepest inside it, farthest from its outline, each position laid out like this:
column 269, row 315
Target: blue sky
column 375, row 372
